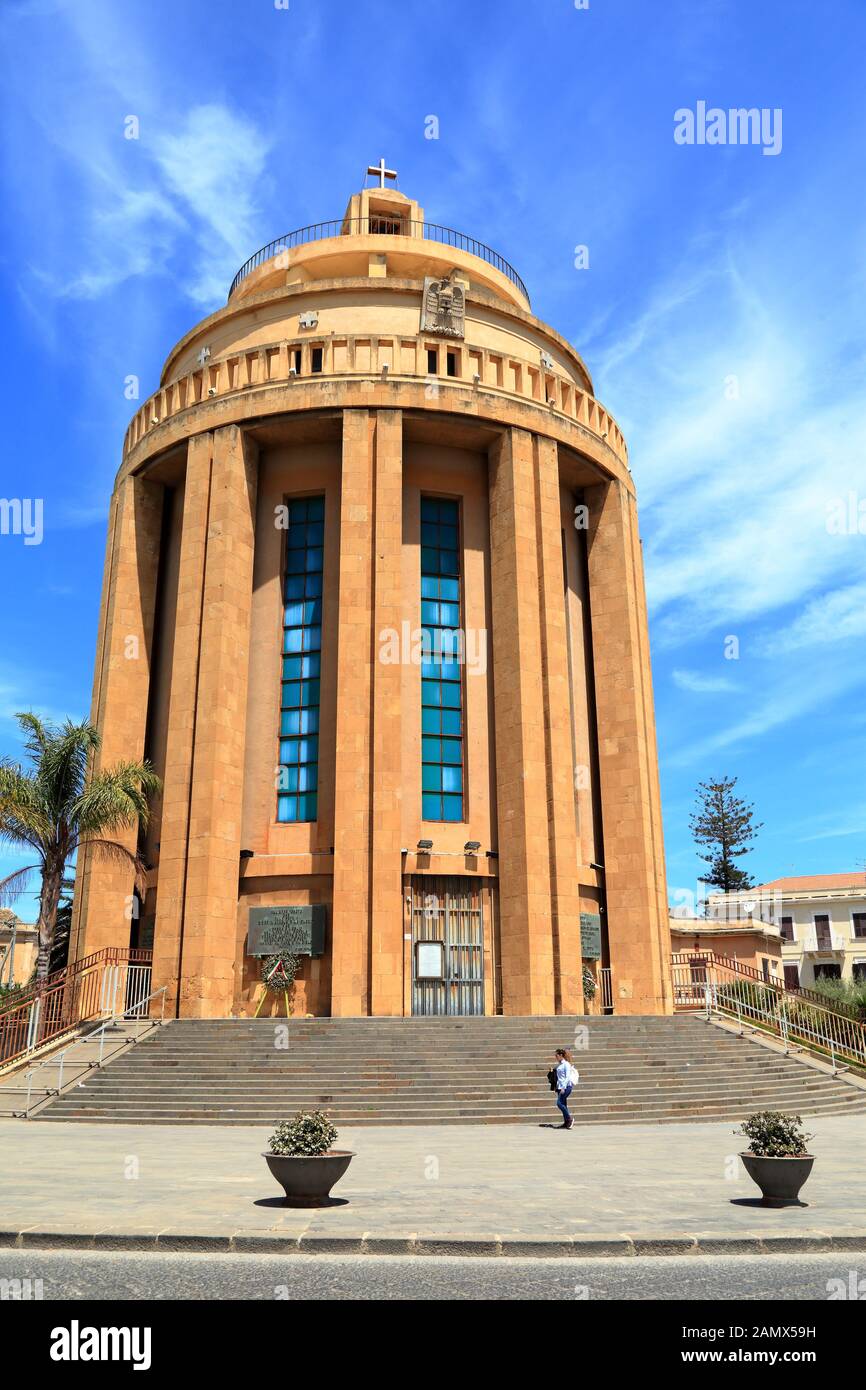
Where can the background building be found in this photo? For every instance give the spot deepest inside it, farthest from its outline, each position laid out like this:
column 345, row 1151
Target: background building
column 374, row 607
column 755, row 944
column 821, row 919
column 19, row 947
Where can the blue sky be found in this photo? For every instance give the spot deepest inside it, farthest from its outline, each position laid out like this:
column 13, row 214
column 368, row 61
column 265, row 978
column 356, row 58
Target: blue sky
column 721, row 314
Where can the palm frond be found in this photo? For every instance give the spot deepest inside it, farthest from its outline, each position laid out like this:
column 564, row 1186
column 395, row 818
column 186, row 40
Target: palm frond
column 23, row 814
column 115, row 798
column 63, row 765
column 13, row 885
column 119, row 855
column 37, row 733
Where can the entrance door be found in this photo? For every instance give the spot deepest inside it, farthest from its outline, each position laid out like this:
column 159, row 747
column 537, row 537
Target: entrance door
column 447, row 976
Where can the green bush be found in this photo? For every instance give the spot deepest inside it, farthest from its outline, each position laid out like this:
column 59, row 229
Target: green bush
column 310, row 1133
column 754, row 999
column 774, row 1134
column 813, row 1024
column 851, row 992
column 9, row 996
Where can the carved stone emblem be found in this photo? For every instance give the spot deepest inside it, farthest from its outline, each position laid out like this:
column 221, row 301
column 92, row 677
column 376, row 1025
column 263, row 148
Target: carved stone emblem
column 443, row 306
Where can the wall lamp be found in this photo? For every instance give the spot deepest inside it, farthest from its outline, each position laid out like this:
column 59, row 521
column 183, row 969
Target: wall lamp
column 247, row 853
column 472, row 846
column 425, row 845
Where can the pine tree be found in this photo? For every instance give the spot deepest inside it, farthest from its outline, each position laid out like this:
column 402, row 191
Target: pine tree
column 724, row 826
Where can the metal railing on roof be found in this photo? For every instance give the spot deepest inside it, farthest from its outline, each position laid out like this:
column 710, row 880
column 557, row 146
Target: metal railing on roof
column 385, row 227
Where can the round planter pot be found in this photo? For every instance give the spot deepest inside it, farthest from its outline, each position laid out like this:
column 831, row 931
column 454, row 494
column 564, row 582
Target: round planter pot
column 779, row 1179
column 307, row 1181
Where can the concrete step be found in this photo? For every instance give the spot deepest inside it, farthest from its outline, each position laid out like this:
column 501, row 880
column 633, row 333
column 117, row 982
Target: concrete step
column 445, row 1071
column 500, row 1116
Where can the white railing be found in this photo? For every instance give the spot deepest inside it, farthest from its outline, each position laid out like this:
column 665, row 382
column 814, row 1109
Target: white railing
column 715, row 985
column 139, row 1010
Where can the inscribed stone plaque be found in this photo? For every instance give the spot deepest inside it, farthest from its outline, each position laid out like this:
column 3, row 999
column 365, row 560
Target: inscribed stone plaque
column 299, row 931
column 590, row 935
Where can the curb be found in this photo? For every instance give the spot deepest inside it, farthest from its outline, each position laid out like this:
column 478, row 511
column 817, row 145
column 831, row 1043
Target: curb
column 462, row 1246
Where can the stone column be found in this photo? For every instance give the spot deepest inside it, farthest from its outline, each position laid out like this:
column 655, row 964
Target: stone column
column 386, row 898
column 631, row 817
column 350, row 929
column 209, row 939
column 525, row 922
column 102, row 913
column 174, row 827
column 561, row 815
column 195, row 943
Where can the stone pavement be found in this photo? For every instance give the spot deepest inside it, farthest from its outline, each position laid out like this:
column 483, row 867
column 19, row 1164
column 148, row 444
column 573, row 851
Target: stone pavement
column 465, row 1189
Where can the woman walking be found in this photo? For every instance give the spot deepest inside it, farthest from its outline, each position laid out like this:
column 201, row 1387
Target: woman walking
column 566, row 1080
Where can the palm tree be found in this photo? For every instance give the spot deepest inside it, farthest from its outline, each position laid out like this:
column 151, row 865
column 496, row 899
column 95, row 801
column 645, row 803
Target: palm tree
column 54, row 806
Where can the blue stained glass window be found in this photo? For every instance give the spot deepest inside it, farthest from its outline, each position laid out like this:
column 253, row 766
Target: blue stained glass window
column 441, row 683
column 297, row 799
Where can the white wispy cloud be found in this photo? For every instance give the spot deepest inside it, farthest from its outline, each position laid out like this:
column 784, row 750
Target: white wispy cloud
column 700, row 684
column 106, row 209
column 738, row 445
column 832, row 618
column 212, row 165
column 769, row 706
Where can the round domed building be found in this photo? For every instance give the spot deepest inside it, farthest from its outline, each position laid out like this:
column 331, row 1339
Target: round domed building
column 374, row 608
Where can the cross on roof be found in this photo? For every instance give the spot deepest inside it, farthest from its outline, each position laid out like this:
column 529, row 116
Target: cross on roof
column 382, row 172
column 203, row 356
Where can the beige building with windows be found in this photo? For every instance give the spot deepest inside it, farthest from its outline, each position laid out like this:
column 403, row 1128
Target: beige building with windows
column 821, row 919
column 374, row 607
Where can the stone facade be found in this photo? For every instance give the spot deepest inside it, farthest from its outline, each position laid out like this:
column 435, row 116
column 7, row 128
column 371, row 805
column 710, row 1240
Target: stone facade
column 317, row 381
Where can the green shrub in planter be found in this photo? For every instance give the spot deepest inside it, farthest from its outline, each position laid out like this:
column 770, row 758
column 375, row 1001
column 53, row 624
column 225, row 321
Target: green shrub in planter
column 774, row 1134
column 309, row 1134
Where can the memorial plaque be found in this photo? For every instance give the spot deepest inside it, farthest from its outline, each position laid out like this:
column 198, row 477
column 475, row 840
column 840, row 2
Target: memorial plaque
column 298, row 931
column 590, row 935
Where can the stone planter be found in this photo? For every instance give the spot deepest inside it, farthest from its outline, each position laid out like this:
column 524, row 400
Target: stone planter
column 779, row 1179
column 307, row 1181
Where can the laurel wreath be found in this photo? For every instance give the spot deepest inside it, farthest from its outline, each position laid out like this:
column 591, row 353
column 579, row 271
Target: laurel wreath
column 279, row 972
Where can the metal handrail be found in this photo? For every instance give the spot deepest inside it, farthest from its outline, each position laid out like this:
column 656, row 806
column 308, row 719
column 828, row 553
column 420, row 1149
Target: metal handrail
column 77, row 997
column 748, row 972
column 716, row 985
column 107, row 955
column 60, row 1059
column 360, row 226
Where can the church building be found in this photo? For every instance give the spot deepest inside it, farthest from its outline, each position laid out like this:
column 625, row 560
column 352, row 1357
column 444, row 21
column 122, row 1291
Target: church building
column 374, row 608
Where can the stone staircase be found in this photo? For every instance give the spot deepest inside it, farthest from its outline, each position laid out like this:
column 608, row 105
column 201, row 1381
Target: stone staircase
column 446, row 1071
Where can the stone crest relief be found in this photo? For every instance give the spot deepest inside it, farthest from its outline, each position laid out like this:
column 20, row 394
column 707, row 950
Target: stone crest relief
column 443, row 306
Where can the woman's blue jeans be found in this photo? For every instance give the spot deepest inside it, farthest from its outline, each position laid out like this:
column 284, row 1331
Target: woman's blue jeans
column 561, row 1100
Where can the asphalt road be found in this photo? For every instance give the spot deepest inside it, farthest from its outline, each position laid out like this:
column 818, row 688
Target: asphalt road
column 69, row 1275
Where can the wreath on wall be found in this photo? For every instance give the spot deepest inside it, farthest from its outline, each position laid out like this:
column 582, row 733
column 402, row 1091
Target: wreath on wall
column 279, row 972
column 590, row 983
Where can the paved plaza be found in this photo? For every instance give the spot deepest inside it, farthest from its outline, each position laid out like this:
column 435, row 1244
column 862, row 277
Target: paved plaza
column 485, row 1189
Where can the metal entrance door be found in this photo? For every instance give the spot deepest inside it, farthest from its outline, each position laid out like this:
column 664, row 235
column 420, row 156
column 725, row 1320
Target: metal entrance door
column 447, row 946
